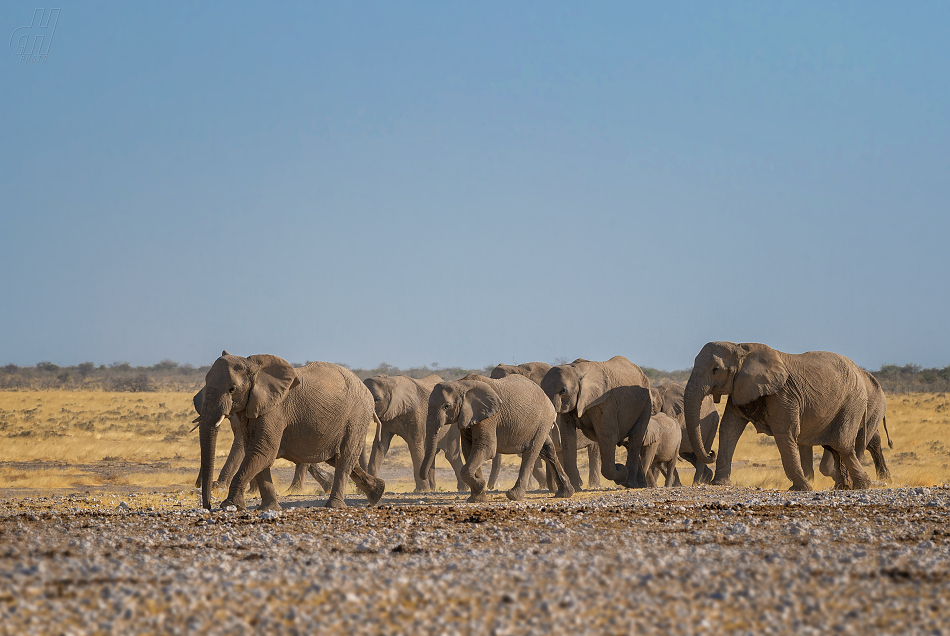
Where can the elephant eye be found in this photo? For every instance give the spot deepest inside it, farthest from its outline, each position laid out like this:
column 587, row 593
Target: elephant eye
column 231, row 390
column 562, row 392
column 445, row 406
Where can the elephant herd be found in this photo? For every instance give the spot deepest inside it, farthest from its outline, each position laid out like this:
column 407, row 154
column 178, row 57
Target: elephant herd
column 322, row 413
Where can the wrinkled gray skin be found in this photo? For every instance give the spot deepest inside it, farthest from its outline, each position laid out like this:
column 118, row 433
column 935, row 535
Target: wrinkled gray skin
column 316, row 413
column 816, row 398
column 402, row 404
column 660, row 449
column 236, row 455
column 535, row 371
column 668, row 399
column 607, row 402
column 509, row 416
column 830, row 464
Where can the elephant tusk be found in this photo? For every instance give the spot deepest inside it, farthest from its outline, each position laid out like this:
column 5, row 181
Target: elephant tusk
column 218, row 425
column 196, row 424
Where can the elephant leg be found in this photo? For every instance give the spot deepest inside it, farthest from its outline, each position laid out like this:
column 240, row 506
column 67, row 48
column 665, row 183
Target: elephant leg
column 562, row 485
column 263, row 451
column 379, row 453
column 268, row 492
column 647, row 453
column 852, row 466
column 472, row 471
column 568, row 454
column 363, row 458
column 539, row 474
column 416, row 454
column 730, row 429
column 529, row 459
column 593, row 468
column 877, row 454
column 371, row 486
column 636, row 471
column 807, row 457
column 788, row 449
column 830, row 464
column 495, row 470
column 617, row 473
column 323, row 477
column 453, row 454
column 233, row 462
column 702, row 474
column 343, row 464
column 672, row 476
column 300, row 470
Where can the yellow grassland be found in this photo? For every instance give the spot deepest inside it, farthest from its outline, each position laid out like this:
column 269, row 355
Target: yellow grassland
column 71, row 439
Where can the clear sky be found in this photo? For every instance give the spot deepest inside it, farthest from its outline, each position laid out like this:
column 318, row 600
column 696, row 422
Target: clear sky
column 473, row 183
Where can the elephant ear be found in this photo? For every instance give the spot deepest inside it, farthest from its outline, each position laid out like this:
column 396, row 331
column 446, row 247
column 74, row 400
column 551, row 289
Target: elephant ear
column 403, row 398
column 273, row 379
column 480, row 403
column 652, row 436
column 198, row 400
column 761, row 372
column 593, row 390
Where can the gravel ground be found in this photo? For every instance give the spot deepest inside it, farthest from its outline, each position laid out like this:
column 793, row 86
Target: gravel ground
column 686, row 560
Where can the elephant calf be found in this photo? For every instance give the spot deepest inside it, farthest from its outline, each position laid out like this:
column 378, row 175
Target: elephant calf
column 511, row 415
column 660, row 449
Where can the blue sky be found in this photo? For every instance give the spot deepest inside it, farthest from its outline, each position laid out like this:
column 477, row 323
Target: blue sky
column 473, row 183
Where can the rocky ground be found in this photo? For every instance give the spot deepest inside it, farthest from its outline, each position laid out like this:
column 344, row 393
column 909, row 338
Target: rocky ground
column 686, row 560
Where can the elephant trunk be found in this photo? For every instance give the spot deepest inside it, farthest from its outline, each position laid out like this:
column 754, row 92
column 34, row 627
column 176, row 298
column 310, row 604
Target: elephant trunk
column 212, row 415
column 434, row 425
column 692, row 403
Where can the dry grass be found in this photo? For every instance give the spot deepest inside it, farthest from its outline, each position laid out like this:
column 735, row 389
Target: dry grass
column 66, row 439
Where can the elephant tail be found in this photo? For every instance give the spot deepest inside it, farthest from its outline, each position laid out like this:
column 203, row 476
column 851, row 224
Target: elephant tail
column 890, row 444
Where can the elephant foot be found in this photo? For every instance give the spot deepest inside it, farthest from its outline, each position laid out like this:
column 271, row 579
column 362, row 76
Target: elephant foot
column 840, row 485
column 230, row 502
column 564, row 493
column 336, row 503
column 802, row 487
column 578, row 486
column 884, row 476
column 481, row 497
column 376, row 493
column 861, row 483
column 422, row 488
column 462, row 487
column 721, row 481
column 269, row 505
column 515, row 494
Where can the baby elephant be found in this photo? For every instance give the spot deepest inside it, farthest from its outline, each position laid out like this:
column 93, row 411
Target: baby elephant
column 511, row 415
column 661, row 447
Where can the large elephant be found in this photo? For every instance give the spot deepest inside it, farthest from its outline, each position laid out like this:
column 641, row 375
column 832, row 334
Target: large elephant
column 830, row 464
column 816, row 398
column 668, row 399
column 236, row 456
column 402, row 404
column 535, row 371
column 510, row 416
column 608, row 402
column 320, row 412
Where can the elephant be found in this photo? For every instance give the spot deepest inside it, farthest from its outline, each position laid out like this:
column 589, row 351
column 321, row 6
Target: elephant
column 236, row 455
column 535, row 371
column 511, row 415
column 660, row 449
column 668, row 399
column 830, row 464
column 817, row 398
column 402, row 404
column 316, row 413
column 607, row 402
